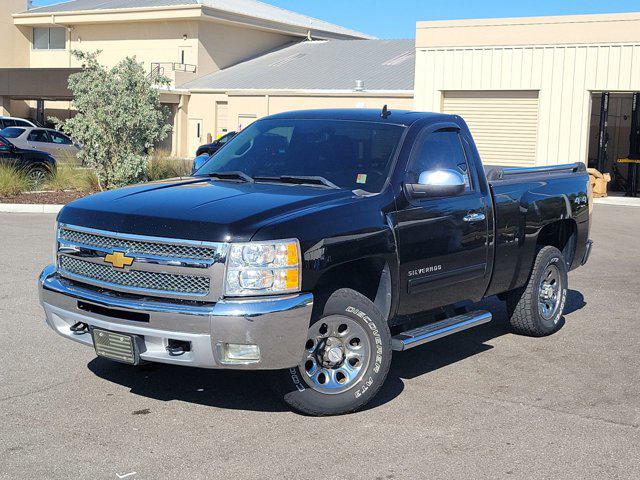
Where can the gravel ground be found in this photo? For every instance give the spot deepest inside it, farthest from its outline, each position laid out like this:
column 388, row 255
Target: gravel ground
column 483, row 404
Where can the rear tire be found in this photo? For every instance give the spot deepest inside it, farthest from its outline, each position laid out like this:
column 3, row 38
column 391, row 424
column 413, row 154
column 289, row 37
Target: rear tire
column 38, row 174
column 345, row 361
column 536, row 309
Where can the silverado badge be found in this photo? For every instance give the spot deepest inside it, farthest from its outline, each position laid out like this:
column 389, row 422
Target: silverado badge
column 119, row 259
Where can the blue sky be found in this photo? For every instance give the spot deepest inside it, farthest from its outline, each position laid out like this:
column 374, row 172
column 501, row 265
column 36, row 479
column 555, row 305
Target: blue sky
column 396, row 18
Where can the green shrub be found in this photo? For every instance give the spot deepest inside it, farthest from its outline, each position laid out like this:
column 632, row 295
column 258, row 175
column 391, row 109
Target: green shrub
column 119, row 118
column 162, row 166
column 69, row 177
column 12, row 181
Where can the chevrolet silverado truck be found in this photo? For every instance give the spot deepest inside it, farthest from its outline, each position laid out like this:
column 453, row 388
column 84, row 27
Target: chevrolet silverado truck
column 314, row 244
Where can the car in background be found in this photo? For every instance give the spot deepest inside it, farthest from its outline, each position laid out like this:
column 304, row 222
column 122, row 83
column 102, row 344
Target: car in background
column 56, row 143
column 14, row 122
column 213, row 147
column 37, row 164
column 199, row 161
column 204, row 152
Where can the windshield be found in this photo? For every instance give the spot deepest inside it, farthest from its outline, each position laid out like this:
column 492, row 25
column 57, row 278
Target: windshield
column 11, row 132
column 352, row 155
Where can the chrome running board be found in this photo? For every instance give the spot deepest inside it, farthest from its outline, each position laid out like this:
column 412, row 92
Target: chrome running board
column 433, row 331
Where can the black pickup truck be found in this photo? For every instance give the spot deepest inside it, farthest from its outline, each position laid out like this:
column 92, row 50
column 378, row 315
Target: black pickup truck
column 314, row 244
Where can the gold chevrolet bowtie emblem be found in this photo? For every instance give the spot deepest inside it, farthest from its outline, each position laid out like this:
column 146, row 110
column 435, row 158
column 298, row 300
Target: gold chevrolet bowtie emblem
column 119, row 259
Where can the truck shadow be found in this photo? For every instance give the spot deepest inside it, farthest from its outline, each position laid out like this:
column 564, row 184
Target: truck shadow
column 456, row 348
column 250, row 390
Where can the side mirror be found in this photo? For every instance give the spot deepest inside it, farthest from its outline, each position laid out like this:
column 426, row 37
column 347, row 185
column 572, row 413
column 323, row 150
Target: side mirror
column 437, row 183
column 199, row 161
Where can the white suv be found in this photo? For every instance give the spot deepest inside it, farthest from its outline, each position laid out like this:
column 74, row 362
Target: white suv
column 14, row 122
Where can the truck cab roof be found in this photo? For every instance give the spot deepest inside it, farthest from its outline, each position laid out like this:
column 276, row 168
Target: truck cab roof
column 396, row 117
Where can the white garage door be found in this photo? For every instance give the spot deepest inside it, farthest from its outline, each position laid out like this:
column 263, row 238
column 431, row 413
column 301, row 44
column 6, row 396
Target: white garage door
column 504, row 124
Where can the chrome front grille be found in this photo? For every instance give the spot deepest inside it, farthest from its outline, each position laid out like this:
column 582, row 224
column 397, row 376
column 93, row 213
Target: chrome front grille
column 160, row 282
column 156, row 249
column 161, row 267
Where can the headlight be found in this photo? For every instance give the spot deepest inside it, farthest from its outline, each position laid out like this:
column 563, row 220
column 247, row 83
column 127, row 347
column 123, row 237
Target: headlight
column 263, row 268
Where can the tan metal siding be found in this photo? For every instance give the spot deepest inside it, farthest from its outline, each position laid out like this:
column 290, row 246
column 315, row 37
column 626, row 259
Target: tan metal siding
column 504, row 124
column 564, row 75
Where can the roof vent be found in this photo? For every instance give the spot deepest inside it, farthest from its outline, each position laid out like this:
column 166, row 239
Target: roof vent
column 283, row 61
column 400, row 59
column 359, row 86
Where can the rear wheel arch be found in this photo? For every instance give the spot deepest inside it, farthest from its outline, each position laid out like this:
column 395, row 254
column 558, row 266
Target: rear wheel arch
column 561, row 234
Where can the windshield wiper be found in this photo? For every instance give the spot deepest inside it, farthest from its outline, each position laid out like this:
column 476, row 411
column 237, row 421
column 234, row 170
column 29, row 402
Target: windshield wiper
column 229, row 176
column 300, row 180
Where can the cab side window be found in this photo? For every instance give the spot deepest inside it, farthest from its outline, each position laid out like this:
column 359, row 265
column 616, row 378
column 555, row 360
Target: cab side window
column 38, row 136
column 60, row 138
column 439, row 151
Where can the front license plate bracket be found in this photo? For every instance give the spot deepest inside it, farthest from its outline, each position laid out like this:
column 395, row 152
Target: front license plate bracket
column 120, row 347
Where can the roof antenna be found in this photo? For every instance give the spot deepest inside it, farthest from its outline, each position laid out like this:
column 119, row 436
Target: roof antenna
column 385, row 112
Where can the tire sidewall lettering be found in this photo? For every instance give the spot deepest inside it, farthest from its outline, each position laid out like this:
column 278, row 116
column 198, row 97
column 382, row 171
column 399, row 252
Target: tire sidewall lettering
column 378, row 344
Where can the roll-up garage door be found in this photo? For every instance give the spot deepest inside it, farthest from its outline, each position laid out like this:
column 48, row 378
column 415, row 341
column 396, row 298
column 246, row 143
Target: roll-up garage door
column 504, row 124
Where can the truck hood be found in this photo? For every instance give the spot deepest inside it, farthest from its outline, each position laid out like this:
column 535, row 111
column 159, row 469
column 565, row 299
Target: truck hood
column 196, row 208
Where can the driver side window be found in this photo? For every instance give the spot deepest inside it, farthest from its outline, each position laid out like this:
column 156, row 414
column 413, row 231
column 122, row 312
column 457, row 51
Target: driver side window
column 440, row 150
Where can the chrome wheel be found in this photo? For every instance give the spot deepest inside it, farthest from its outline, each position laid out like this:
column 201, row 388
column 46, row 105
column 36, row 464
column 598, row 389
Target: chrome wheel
column 549, row 293
column 336, row 354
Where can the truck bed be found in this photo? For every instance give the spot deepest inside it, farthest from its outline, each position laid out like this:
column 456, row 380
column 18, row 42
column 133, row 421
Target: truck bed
column 525, row 200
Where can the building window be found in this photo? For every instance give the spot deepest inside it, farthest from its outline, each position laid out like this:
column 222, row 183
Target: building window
column 54, row 38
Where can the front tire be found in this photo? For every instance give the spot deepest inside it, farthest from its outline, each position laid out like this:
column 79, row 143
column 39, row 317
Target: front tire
column 536, row 309
column 346, row 358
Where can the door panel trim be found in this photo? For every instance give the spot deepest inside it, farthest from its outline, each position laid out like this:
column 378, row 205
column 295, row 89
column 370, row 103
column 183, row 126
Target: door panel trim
column 442, row 279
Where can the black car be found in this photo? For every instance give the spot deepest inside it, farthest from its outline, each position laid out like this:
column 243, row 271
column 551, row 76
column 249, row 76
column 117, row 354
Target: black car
column 213, row 147
column 37, row 164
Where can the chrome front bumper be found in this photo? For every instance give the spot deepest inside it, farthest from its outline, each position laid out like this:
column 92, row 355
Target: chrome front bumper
column 278, row 325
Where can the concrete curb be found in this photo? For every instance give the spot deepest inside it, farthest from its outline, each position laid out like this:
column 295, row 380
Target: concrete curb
column 29, row 208
column 619, row 201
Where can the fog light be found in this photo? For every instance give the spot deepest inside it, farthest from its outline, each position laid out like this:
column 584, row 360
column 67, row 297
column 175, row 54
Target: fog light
column 237, row 353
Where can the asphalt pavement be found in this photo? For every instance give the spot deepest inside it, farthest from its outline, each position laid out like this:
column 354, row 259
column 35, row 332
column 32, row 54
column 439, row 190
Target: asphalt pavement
column 482, row 404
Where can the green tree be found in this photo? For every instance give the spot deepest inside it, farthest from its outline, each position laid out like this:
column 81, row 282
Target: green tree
column 119, row 118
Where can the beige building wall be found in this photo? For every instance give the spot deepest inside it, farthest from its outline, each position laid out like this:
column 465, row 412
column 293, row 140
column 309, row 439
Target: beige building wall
column 208, row 45
column 221, row 46
column 203, row 107
column 148, row 42
column 14, row 45
column 243, row 106
column 284, row 103
column 564, row 74
column 558, row 30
